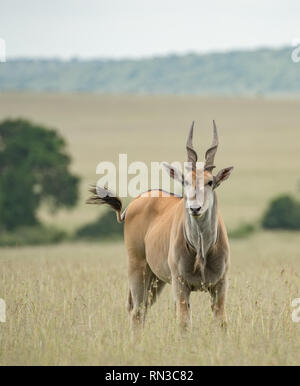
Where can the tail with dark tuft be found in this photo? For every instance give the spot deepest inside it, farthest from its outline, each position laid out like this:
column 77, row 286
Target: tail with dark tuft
column 103, row 196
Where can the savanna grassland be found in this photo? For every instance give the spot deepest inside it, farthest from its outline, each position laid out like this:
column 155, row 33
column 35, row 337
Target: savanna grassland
column 66, row 303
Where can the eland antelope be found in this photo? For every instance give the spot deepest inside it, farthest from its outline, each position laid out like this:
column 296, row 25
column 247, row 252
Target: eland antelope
column 177, row 240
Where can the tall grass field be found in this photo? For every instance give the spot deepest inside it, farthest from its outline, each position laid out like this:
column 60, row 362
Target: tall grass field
column 66, row 303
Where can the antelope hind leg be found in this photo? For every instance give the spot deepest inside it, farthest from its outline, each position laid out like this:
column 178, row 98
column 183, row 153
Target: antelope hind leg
column 140, row 277
column 218, row 298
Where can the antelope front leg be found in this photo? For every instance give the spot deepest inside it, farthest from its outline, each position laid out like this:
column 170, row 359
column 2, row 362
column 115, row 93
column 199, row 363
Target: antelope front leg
column 218, row 297
column 182, row 301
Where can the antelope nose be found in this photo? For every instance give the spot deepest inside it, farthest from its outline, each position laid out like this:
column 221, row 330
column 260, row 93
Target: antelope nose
column 195, row 210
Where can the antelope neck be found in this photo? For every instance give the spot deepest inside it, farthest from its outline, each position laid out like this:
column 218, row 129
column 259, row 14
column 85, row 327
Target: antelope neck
column 201, row 232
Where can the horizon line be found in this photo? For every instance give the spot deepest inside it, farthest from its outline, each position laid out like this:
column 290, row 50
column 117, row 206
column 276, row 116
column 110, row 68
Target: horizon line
column 147, row 57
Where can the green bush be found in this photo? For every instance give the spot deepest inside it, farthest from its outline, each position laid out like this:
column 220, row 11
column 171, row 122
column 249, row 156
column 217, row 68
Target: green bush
column 103, row 228
column 32, row 235
column 282, row 213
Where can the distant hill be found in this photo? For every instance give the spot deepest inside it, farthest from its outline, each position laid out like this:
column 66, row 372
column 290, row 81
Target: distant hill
column 263, row 71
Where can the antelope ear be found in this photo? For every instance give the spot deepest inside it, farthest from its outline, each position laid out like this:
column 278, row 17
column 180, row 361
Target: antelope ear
column 174, row 172
column 222, row 176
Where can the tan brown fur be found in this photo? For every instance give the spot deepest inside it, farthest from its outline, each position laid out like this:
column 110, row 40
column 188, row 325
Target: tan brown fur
column 171, row 240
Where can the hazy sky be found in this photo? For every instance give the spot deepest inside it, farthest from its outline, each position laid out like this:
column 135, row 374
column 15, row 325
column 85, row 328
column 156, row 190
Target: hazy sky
column 135, row 28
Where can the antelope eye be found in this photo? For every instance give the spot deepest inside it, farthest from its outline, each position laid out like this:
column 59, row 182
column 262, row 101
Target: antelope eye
column 210, row 183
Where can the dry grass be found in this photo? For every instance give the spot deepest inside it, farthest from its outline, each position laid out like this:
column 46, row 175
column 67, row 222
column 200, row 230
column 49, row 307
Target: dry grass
column 66, row 306
column 66, row 303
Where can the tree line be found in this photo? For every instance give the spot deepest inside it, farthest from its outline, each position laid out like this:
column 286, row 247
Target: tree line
column 35, row 170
